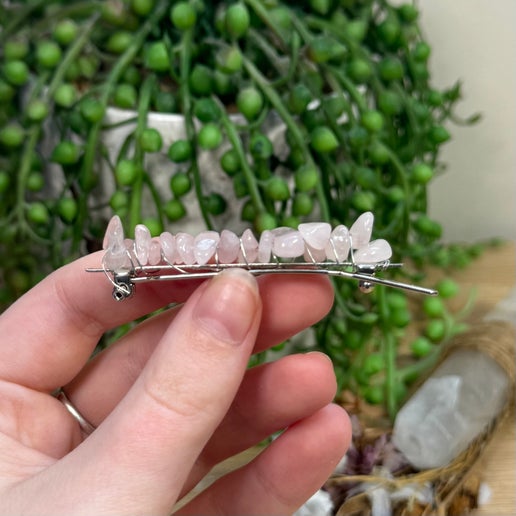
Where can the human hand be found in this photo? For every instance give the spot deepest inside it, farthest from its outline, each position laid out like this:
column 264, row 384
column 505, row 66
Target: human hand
column 171, row 399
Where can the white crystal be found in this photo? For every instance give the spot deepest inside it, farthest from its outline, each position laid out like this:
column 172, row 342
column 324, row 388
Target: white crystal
column 287, row 243
column 114, row 232
column 450, row 409
column 185, row 248
column 339, row 245
column 265, row 246
column 205, row 246
column 228, row 247
column 116, row 257
column 315, row 234
column 361, row 230
column 249, row 250
column 142, row 240
column 154, row 251
column 374, row 252
column 169, row 247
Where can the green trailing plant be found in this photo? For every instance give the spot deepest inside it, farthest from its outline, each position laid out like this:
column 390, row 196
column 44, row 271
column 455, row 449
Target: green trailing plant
column 348, row 80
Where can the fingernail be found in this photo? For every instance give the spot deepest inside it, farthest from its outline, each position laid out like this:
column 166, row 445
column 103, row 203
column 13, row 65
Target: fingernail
column 228, row 306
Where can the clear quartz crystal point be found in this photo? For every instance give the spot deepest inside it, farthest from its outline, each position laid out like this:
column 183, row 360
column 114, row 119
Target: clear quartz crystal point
column 205, row 246
column 249, row 251
column 374, row 252
column 116, row 257
column 185, row 248
column 451, row 408
column 228, row 247
column 361, row 230
column 287, row 243
column 315, row 234
column 339, row 245
column 265, row 246
column 142, row 242
column 169, row 247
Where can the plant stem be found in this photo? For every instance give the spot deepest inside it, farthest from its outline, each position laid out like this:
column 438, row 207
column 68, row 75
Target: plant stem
column 184, row 73
column 21, row 16
column 403, row 178
column 71, row 55
column 265, row 17
column 418, row 368
column 94, row 134
column 22, row 177
column 357, row 97
column 236, row 142
column 137, row 189
column 389, row 353
column 292, row 126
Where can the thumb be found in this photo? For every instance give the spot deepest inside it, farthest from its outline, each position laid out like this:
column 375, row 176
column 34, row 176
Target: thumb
column 146, row 447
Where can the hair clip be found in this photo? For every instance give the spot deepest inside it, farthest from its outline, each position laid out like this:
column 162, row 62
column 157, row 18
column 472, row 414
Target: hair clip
column 312, row 248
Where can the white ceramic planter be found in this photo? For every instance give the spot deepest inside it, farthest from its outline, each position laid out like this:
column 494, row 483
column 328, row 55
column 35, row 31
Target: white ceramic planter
column 161, row 168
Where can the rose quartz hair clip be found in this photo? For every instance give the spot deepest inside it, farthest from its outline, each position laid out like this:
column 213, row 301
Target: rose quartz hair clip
column 312, row 248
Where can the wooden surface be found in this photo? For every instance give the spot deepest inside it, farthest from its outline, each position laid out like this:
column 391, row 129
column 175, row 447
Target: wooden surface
column 493, row 276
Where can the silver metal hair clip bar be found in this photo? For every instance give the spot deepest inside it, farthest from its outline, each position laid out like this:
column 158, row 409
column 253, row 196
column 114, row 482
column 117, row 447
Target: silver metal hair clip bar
column 314, row 248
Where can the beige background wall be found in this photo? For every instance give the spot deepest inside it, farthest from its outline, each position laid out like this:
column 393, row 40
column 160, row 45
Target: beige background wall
column 475, row 41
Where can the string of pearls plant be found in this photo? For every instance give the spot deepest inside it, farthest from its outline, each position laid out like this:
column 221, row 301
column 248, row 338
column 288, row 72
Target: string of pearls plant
column 347, row 80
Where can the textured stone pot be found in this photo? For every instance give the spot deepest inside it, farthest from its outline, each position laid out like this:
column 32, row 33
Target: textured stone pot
column 161, row 168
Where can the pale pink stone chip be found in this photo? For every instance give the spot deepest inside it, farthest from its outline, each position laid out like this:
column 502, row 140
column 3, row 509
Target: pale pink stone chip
column 315, row 234
column 288, row 243
column 116, row 257
column 265, row 246
column 339, row 245
column 185, row 248
column 228, row 247
column 114, row 232
column 154, row 251
column 376, row 251
column 361, row 230
column 205, row 246
column 142, row 240
column 169, row 247
column 249, row 250
column 314, row 255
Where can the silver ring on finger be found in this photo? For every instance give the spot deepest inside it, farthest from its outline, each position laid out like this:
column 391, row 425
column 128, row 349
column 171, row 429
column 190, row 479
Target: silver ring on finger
column 84, row 424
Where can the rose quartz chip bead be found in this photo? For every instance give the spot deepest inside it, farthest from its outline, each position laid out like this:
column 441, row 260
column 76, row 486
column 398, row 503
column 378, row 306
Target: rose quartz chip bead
column 339, row 244
column 315, row 234
column 249, row 247
column 265, row 246
column 116, row 257
column 154, row 251
column 361, row 230
column 205, row 246
column 374, row 252
column 142, row 242
column 228, row 247
column 185, row 248
column 169, row 247
column 287, row 243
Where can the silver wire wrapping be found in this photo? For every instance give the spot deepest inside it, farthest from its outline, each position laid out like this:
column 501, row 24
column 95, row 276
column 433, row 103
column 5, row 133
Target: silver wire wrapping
column 125, row 281
column 345, row 254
